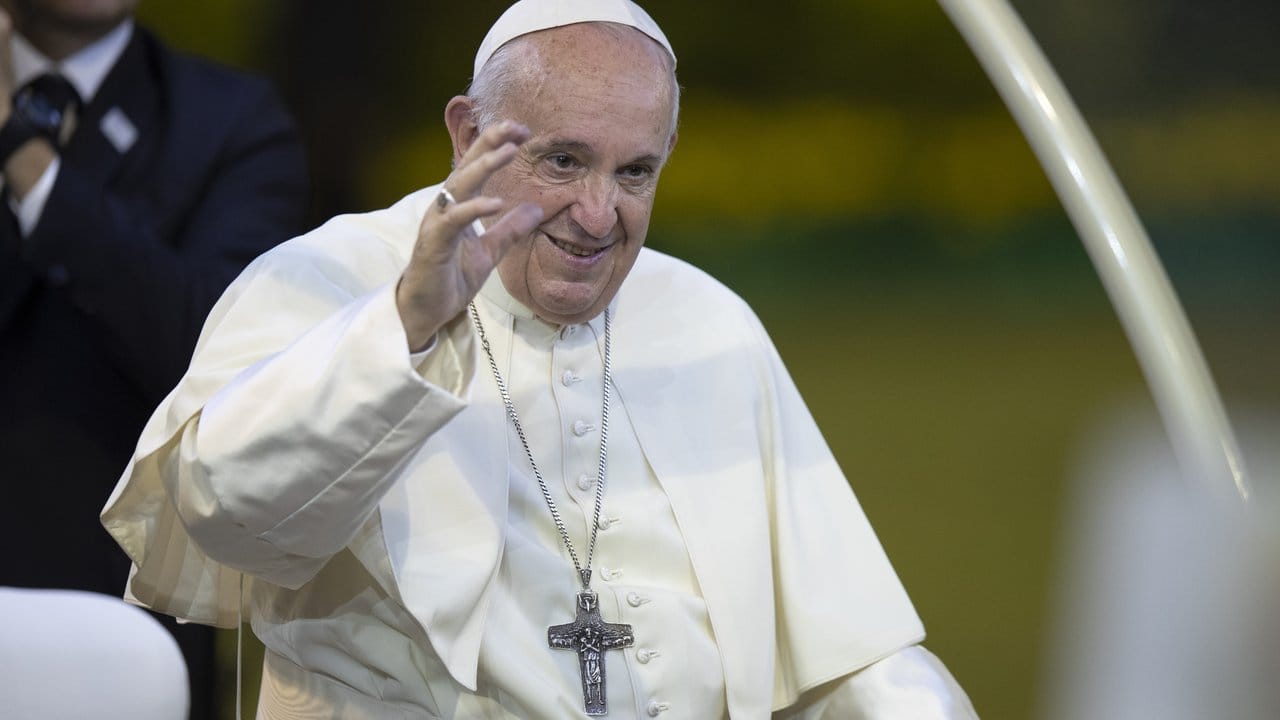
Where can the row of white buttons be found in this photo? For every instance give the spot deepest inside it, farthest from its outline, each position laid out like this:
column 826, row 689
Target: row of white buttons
column 644, row 655
column 580, row 427
column 634, row 599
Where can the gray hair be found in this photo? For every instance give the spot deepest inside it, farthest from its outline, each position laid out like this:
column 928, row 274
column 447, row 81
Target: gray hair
column 510, row 66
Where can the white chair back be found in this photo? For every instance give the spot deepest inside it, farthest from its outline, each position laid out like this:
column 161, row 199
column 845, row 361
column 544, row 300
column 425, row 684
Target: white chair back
column 69, row 655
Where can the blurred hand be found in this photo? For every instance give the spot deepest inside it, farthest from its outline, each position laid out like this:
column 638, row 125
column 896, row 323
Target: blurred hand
column 27, row 164
column 449, row 262
column 6, row 67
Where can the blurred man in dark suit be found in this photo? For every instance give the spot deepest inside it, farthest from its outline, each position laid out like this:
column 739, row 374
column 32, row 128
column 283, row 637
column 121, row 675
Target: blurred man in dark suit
column 137, row 184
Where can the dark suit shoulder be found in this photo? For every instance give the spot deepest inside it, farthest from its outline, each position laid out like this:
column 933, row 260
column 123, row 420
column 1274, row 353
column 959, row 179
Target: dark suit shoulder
column 213, row 99
column 183, row 72
column 209, row 113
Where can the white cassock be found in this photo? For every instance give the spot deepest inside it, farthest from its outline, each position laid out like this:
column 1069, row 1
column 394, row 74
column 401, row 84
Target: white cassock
column 399, row 560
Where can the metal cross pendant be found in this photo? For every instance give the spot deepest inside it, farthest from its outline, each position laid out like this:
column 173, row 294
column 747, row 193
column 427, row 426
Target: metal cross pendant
column 590, row 637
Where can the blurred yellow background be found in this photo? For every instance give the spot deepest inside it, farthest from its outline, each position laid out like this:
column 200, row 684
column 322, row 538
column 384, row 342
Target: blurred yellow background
column 846, row 167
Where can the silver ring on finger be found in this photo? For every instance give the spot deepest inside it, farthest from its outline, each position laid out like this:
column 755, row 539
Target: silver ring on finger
column 445, row 199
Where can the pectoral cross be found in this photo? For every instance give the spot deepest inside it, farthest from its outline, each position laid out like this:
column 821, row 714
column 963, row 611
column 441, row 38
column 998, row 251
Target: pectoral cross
column 590, row 636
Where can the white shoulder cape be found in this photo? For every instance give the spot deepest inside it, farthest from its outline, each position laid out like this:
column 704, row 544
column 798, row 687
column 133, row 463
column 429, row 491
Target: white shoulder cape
column 797, row 586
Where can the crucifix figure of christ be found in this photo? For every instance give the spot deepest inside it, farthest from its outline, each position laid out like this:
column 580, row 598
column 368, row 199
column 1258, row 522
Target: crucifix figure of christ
column 591, row 636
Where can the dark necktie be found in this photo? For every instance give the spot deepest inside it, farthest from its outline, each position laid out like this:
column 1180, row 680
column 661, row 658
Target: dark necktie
column 54, row 103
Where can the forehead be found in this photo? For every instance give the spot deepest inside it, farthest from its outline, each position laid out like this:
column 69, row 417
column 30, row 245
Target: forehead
column 598, row 45
column 595, row 76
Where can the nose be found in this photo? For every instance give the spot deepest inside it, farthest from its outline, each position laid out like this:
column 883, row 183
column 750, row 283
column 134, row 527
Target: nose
column 595, row 209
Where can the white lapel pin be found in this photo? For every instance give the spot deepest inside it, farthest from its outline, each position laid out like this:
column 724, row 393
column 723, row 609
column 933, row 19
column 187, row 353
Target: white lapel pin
column 119, row 130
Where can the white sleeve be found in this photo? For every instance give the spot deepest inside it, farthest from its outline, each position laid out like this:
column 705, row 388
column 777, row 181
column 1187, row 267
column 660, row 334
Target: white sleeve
column 417, row 358
column 284, row 464
column 911, row 683
column 273, row 451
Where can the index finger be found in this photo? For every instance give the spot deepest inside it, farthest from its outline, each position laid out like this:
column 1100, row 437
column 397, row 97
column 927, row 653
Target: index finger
column 495, row 147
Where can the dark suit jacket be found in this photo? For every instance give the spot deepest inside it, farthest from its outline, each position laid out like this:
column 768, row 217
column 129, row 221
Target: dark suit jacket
column 101, row 306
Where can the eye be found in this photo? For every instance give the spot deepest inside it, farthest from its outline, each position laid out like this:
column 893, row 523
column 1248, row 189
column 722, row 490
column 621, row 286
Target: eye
column 637, row 172
column 562, row 161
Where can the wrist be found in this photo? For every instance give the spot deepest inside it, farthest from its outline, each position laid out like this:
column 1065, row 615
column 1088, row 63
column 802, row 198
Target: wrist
column 26, row 165
column 418, row 327
column 32, row 115
column 16, row 132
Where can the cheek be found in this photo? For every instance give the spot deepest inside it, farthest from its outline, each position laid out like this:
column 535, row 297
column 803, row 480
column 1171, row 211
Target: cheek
column 516, row 186
column 634, row 215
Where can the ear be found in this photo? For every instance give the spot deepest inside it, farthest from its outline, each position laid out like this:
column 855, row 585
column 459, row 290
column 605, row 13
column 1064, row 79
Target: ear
column 671, row 144
column 459, row 118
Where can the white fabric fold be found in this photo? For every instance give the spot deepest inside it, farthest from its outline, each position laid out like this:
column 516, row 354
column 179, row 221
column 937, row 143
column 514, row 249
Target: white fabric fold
column 305, row 350
column 305, row 449
column 911, row 683
column 750, row 471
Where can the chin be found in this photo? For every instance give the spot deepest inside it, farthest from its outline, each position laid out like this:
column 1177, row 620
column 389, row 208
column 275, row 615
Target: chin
column 568, row 312
column 569, row 305
column 566, row 317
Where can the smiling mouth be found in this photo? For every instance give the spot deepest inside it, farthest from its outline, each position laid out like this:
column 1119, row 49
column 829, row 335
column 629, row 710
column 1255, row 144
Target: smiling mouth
column 576, row 250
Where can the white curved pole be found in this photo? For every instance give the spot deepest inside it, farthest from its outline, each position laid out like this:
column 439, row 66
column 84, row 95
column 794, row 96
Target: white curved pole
column 1115, row 240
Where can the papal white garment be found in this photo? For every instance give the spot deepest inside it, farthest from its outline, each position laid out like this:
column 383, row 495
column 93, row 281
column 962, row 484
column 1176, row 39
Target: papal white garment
column 402, row 562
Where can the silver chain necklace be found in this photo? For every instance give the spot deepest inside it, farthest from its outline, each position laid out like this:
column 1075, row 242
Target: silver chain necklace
column 588, row 634
column 584, row 573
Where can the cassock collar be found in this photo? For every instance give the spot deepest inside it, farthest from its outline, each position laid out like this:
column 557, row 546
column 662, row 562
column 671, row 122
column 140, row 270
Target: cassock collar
column 495, row 292
column 85, row 70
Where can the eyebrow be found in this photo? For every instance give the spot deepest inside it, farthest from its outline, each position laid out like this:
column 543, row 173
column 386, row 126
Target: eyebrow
column 578, row 146
column 574, row 145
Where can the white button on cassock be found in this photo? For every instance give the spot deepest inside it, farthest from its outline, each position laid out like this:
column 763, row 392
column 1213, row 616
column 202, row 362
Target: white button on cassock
column 657, row 708
column 635, row 599
column 581, row 428
column 584, row 481
column 569, row 378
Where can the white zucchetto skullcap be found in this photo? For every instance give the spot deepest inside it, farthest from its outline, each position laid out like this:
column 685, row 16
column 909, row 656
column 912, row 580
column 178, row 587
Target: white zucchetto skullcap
column 529, row 16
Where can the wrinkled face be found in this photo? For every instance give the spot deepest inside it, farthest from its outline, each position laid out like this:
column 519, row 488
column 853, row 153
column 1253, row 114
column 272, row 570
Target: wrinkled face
column 599, row 109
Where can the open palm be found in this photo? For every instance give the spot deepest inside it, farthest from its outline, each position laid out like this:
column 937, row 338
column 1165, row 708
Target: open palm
column 450, row 261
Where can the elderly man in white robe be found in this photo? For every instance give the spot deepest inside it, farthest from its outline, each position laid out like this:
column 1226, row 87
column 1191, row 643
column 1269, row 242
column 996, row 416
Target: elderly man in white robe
column 481, row 455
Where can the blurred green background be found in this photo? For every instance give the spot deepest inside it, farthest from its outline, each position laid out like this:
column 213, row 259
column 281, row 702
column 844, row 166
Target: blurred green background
column 846, row 166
